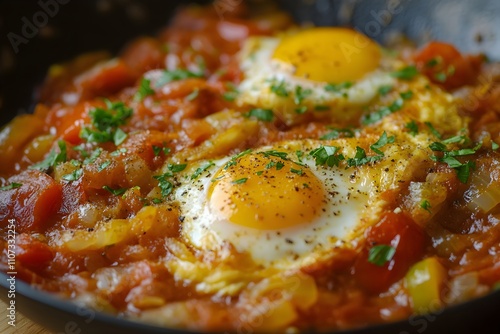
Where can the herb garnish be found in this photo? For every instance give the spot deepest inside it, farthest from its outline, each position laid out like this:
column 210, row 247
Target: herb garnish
column 381, row 254
column 53, row 158
column 327, row 155
column 13, row 185
column 175, row 75
column 265, row 115
column 144, row 90
column 106, row 122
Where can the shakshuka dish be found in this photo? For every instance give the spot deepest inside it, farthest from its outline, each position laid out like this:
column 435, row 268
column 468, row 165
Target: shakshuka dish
column 248, row 174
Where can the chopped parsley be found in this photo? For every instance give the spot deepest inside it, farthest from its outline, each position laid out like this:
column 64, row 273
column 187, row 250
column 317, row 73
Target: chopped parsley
column 53, row 159
column 116, row 192
column 321, row 108
column 385, row 89
column 234, row 159
column 279, row 165
column 360, row 158
column 156, row 150
column 13, row 185
column 202, row 169
column 426, row 205
column 274, row 153
column 230, row 96
column 279, row 88
column 383, row 140
column 265, row 115
column 297, row 171
column 301, row 110
column 449, row 156
column 93, row 156
column 144, row 90
column 412, row 127
column 327, row 155
column 175, row 75
column 193, row 95
column 433, row 130
column 104, row 165
column 232, row 92
column 301, row 94
column 106, row 122
column 338, row 87
column 494, row 146
column 406, row 73
column 379, row 255
column 406, row 95
column 75, row 175
column 118, row 152
column 165, row 185
column 382, row 112
column 337, row 133
column 240, row 181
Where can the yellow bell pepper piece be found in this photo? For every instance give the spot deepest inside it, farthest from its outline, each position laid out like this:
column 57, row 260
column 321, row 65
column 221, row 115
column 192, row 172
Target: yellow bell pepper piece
column 424, row 281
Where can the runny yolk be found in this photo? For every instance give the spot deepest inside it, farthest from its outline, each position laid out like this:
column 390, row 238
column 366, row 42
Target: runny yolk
column 333, row 55
column 266, row 193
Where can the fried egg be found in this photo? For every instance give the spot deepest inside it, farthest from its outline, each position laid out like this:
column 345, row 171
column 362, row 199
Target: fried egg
column 329, row 72
column 276, row 204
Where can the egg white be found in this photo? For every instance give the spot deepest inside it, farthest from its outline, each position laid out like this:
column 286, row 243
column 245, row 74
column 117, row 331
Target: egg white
column 284, row 248
column 261, row 72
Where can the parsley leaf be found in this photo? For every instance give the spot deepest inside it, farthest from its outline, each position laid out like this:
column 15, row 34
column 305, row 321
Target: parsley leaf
column 175, row 75
column 383, row 140
column 165, row 185
column 360, row 158
column 193, row 95
column 426, row 205
column 234, row 159
column 240, row 181
column 106, row 122
column 200, row 170
column 382, row 112
column 279, row 88
column 144, row 90
column 297, row 171
column 13, row 185
column 412, row 127
column 327, row 155
column 274, row 153
column 75, row 175
column 53, row 158
column 301, row 94
column 116, row 192
column 338, row 87
column 406, row 73
column 264, row 115
column 385, row 89
column 381, row 254
column 336, row 133
column 433, row 130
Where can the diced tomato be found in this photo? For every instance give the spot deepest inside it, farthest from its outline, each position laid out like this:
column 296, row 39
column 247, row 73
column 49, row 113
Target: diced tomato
column 72, row 196
column 143, row 54
column 33, row 203
column 32, row 253
column 400, row 232
column 443, row 64
column 104, row 79
column 141, row 143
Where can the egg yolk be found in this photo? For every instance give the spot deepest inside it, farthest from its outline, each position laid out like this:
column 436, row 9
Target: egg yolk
column 266, row 193
column 333, row 55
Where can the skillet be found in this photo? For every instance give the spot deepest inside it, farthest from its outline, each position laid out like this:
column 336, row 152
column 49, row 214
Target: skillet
column 78, row 27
